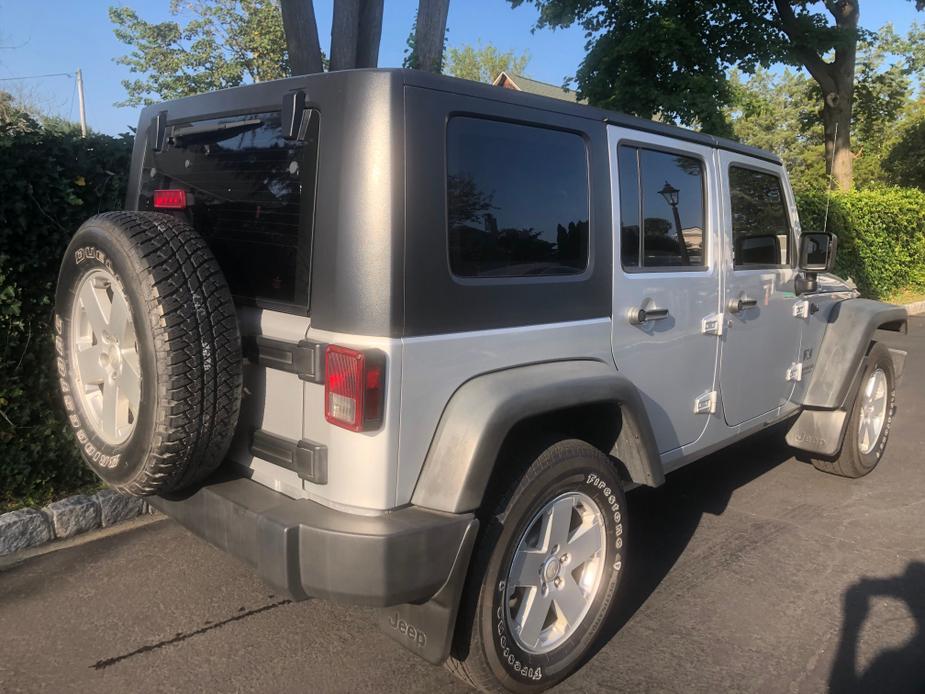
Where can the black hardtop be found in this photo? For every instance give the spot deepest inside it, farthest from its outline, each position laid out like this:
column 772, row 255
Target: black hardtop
column 266, row 94
column 380, row 129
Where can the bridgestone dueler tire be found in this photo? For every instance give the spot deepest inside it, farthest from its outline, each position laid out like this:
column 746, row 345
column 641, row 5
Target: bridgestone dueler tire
column 484, row 655
column 851, row 461
column 188, row 351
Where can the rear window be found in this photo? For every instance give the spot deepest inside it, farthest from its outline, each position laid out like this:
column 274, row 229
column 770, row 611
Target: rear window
column 517, row 200
column 661, row 193
column 250, row 193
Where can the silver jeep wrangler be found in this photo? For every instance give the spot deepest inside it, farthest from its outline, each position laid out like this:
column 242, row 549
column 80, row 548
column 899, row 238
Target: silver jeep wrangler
column 405, row 341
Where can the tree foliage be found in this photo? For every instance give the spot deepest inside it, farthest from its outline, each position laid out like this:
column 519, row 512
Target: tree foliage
column 215, row 44
column 13, row 118
column 904, row 163
column 483, row 63
column 780, row 111
column 670, row 58
column 221, row 43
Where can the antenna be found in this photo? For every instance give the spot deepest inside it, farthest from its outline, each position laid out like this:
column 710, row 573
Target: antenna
column 828, row 187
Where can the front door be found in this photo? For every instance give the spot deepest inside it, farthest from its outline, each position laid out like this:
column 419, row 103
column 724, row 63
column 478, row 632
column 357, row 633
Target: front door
column 762, row 335
column 666, row 278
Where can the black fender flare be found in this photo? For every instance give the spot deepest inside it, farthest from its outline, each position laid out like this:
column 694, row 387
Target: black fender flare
column 820, row 427
column 851, row 328
column 483, row 410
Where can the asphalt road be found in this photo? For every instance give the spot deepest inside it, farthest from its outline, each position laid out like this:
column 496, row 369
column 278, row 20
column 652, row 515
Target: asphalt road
column 749, row 571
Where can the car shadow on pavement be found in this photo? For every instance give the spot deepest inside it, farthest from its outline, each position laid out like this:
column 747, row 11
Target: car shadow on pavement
column 896, row 670
column 662, row 521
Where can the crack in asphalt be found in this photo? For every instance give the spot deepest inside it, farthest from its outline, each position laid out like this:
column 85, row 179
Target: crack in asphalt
column 183, row 636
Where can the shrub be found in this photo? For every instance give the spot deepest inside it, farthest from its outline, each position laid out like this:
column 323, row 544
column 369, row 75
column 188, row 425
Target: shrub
column 51, row 180
column 904, row 164
column 881, row 235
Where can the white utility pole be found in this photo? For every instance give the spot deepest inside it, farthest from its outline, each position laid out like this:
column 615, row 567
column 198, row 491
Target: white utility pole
column 80, row 99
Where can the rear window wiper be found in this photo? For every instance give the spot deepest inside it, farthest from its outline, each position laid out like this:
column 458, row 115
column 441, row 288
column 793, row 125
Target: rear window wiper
column 208, row 132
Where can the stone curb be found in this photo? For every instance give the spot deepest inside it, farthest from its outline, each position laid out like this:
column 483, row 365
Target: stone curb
column 916, row 308
column 30, row 527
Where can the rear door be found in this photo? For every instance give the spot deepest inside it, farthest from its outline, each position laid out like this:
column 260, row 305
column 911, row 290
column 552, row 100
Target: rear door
column 762, row 335
column 666, row 278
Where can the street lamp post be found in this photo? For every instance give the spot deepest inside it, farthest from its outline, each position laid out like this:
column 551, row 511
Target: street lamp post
column 670, row 193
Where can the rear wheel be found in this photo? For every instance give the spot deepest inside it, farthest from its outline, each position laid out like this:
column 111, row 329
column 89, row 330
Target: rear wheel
column 148, row 352
column 545, row 573
column 868, row 427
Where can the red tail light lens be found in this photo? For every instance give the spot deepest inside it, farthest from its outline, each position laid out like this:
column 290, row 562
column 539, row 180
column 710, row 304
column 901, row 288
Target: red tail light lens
column 170, row 199
column 353, row 388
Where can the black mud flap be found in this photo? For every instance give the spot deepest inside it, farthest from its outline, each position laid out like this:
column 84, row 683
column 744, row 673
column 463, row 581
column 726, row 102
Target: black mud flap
column 818, row 431
column 426, row 629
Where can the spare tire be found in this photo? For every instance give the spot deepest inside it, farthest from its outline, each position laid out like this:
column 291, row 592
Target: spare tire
column 148, row 352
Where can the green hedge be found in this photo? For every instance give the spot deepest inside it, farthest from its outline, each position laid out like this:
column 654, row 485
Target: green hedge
column 881, row 235
column 51, row 180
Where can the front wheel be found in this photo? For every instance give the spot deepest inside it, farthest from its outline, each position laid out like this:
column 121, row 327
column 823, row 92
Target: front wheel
column 869, row 423
column 545, row 573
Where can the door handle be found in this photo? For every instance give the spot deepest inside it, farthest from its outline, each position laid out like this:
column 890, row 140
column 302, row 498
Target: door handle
column 741, row 303
column 637, row 316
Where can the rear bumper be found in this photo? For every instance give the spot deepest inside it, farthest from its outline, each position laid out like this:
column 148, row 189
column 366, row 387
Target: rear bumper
column 308, row 549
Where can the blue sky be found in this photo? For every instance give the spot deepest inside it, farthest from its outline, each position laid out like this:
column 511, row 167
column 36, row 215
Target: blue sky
column 49, row 36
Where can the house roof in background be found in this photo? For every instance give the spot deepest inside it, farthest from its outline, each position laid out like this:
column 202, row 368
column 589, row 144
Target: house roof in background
column 525, row 84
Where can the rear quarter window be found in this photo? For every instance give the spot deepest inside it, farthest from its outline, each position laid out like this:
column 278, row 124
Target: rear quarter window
column 250, row 193
column 517, row 199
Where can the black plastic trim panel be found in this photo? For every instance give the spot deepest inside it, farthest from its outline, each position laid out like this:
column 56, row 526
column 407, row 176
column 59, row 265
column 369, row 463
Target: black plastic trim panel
column 850, row 329
column 306, row 549
column 481, row 413
column 305, row 358
column 307, row 458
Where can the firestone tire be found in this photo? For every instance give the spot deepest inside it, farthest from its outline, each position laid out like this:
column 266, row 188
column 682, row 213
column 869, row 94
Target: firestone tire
column 490, row 651
column 148, row 352
column 860, row 455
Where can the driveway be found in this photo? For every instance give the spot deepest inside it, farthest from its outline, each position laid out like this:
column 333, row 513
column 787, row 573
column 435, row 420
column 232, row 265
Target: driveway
column 749, row 571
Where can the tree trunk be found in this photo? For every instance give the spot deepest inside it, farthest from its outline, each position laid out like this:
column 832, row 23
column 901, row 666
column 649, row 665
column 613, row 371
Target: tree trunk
column 344, row 31
column 356, row 30
column 430, row 34
column 835, row 78
column 370, row 33
column 301, row 31
column 839, row 159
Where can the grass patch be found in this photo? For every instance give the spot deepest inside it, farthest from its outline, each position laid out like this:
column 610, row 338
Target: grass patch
column 908, row 295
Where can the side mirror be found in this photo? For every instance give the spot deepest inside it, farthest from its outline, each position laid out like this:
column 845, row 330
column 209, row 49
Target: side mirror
column 817, row 254
column 817, row 251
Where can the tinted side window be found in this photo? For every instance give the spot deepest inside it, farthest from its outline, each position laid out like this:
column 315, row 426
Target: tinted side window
column 517, row 200
column 250, row 193
column 668, row 204
column 760, row 225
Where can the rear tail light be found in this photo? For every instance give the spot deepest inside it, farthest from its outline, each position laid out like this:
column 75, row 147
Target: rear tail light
column 353, row 388
column 170, row 199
